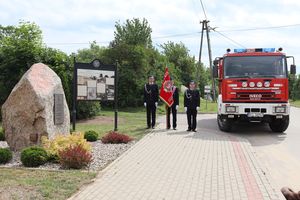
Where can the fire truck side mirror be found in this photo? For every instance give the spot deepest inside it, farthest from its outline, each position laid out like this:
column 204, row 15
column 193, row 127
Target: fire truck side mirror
column 293, row 69
column 215, row 71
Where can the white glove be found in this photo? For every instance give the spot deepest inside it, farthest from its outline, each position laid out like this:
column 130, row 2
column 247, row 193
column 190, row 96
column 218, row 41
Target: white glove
column 145, row 104
column 177, row 107
column 197, row 108
column 156, row 104
column 185, row 109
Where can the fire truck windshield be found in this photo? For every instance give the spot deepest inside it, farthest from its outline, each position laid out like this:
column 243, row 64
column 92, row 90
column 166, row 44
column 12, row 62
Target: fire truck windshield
column 255, row 66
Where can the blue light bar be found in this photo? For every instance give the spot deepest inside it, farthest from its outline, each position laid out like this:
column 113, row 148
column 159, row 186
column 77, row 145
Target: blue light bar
column 240, row 50
column 265, row 50
column 268, row 50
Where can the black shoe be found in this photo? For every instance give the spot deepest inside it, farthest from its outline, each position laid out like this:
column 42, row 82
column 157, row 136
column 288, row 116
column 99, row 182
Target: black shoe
column 194, row 130
column 168, row 127
column 174, row 128
column 189, row 129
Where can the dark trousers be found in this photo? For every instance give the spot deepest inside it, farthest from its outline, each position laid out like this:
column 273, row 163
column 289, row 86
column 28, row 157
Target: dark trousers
column 192, row 118
column 151, row 115
column 174, row 116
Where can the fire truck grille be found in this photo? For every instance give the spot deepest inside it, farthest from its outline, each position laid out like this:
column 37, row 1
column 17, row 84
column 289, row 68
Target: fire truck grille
column 255, row 96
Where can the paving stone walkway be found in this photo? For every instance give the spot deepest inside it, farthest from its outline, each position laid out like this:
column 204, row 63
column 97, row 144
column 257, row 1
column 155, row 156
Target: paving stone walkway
column 184, row 165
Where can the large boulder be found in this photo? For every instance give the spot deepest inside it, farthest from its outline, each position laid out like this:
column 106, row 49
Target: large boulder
column 36, row 107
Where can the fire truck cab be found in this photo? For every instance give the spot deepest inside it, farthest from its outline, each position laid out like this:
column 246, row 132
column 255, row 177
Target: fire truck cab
column 253, row 86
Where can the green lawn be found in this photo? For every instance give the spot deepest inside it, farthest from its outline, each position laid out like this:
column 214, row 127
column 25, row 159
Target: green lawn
column 41, row 184
column 295, row 103
column 211, row 106
column 132, row 121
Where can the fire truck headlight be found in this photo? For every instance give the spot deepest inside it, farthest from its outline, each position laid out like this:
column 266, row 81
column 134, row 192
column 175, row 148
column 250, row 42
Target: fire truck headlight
column 259, row 84
column 251, row 84
column 244, row 84
column 267, row 84
column 280, row 109
column 230, row 109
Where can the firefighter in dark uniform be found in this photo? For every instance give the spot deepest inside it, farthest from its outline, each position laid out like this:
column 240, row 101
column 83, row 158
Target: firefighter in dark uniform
column 151, row 101
column 192, row 105
column 173, row 108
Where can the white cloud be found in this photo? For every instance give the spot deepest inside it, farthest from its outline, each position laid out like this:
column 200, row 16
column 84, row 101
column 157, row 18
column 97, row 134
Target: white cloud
column 83, row 21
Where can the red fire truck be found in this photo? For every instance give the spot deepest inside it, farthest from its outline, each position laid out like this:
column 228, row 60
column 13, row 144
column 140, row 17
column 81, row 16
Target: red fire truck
column 253, row 86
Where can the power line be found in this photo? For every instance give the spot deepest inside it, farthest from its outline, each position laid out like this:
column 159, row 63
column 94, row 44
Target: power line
column 196, row 13
column 228, row 38
column 187, row 34
column 176, row 35
column 261, row 28
column 77, row 43
column 202, row 5
column 105, row 42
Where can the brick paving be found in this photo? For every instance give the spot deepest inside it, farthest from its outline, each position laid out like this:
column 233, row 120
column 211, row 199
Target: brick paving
column 183, row 165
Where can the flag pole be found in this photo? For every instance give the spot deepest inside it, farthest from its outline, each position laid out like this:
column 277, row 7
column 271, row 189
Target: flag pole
column 167, row 116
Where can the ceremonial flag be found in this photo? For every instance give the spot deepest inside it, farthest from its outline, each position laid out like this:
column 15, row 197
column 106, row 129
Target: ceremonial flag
column 166, row 93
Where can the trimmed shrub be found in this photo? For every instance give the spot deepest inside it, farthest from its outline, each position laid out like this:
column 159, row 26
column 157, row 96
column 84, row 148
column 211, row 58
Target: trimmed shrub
column 33, row 156
column 91, row 136
column 75, row 157
column 2, row 136
column 62, row 142
column 88, row 109
column 5, row 155
column 115, row 138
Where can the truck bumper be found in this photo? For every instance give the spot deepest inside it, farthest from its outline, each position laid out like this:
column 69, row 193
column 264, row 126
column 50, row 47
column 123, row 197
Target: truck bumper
column 254, row 111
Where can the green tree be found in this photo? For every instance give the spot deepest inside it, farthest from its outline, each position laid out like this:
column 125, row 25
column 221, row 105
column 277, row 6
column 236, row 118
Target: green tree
column 204, row 77
column 296, row 89
column 133, row 32
column 178, row 54
column 20, row 47
column 132, row 48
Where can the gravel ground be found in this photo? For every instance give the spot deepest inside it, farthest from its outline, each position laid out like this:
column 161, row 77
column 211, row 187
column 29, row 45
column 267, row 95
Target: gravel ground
column 103, row 154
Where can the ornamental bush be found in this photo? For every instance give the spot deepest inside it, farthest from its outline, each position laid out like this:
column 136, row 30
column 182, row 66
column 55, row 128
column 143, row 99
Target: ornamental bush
column 2, row 136
column 33, row 156
column 91, row 136
column 75, row 157
column 62, row 142
column 5, row 155
column 115, row 138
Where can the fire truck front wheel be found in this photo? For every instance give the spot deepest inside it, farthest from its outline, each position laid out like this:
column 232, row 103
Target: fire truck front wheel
column 279, row 125
column 224, row 124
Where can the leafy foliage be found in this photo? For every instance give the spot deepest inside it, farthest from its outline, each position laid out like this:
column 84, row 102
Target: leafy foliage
column 133, row 32
column 2, row 136
column 75, row 157
column 91, row 136
column 20, row 47
column 87, row 109
column 5, row 155
column 61, row 142
column 115, row 138
column 294, row 86
column 178, row 54
column 33, row 156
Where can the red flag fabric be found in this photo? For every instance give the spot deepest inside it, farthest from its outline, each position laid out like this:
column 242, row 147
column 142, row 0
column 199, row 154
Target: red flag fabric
column 166, row 93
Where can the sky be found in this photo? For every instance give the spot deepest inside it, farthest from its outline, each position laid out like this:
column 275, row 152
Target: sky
column 70, row 25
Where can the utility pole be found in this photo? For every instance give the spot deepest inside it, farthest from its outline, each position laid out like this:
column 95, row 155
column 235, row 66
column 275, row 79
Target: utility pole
column 206, row 28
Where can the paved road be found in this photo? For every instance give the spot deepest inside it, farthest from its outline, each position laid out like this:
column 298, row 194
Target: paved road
column 280, row 153
column 168, row 164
